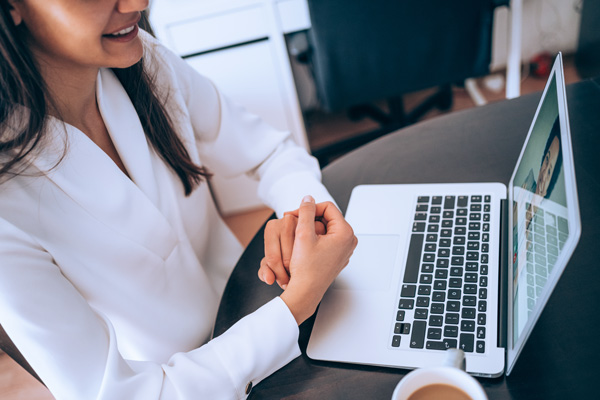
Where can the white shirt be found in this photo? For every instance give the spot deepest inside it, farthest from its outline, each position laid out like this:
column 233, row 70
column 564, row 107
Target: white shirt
column 109, row 286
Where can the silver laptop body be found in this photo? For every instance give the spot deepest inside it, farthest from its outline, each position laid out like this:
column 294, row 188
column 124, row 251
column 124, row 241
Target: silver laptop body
column 433, row 260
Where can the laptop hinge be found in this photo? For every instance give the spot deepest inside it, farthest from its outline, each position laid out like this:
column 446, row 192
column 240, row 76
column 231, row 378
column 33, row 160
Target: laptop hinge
column 503, row 275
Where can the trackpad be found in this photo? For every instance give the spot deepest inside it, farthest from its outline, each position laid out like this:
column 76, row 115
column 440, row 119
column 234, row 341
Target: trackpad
column 371, row 265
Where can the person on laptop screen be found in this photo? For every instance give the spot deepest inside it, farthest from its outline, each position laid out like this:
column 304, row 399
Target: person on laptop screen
column 113, row 256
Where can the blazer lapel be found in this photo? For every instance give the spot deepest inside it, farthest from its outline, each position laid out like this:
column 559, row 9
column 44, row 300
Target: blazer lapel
column 90, row 178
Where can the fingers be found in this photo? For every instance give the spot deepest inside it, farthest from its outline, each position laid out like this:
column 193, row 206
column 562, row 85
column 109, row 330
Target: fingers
column 287, row 236
column 306, row 217
column 265, row 274
column 320, row 228
column 273, row 255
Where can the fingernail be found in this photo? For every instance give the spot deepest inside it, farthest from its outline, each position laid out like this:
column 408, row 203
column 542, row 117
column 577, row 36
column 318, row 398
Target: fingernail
column 308, row 199
column 284, row 287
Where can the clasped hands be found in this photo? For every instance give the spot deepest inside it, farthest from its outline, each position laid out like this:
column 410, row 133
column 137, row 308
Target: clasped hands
column 304, row 252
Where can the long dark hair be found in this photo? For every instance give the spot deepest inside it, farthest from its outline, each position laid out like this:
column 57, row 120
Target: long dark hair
column 21, row 84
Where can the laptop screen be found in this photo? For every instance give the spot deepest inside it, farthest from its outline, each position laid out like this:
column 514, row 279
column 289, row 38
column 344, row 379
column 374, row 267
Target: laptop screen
column 542, row 193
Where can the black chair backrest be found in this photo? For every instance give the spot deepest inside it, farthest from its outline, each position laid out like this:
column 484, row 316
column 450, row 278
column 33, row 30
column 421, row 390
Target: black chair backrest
column 364, row 51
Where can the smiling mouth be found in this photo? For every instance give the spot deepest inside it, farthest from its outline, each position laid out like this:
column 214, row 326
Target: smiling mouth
column 122, row 32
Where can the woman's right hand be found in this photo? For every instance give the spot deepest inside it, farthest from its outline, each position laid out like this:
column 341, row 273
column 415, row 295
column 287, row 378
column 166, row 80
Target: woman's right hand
column 316, row 259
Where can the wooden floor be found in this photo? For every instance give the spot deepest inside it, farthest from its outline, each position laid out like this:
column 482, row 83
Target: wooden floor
column 322, row 129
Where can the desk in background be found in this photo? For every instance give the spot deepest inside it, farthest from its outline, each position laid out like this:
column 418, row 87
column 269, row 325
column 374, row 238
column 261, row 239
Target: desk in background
column 560, row 359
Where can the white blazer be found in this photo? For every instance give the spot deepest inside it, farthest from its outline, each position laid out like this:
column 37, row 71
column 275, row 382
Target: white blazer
column 109, row 286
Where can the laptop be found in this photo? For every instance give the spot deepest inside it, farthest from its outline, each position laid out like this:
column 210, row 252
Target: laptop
column 468, row 266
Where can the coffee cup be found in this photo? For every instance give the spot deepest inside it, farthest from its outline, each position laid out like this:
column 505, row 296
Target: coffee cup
column 448, row 381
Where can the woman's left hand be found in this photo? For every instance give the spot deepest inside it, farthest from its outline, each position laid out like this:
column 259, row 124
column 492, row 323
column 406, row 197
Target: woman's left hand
column 279, row 243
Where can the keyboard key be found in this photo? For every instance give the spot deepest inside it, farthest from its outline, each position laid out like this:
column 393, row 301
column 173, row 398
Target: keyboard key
column 483, row 270
column 437, row 308
column 460, row 230
column 469, row 301
column 482, row 293
column 450, row 343
column 452, row 319
column 458, row 250
column 396, row 341
column 454, row 294
column 420, row 216
column 481, row 332
column 470, row 277
column 418, row 227
column 486, row 208
column 400, row 315
column 472, row 266
column 423, row 199
column 439, row 296
column 467, row 326
column 461, row 221
column 422, row 209
column 427, row 268
column 475, row 207
column 446, row 232
column 462, row 201
column 473, row 246
column 424, row 290
column 436, row 320
column 451, row 331
column 487, row 198
column 486, row 217
column 457, row 260
column 482, row 306
column 483, row 281
column 468, row 313
column 433, row 228
column 459, row 240
column 436, row 200
column 429, row 257
column 444, row 252
column 486, row 227
column 481, row 319
column 466, row 342
column 422, row 301
column 408, row 290
column 442, row 263
column 417, row 339
column 470, row 289
column 447, row 223
column 453, row 306
column 411, row 272
column 472, row 256
column 401, row 329
column 436, row 210
column 433, row 345
column 456, row 271
column 425, row 278
column 475, row 199
column 485, row 248
column 480, row 346
column 448, row 214
column 445, row 242
column 421, row 313
column 449, row 202
column 406, row 304
column 454, row 283
column 439, row 285
column 484, row 258
column 434, row 333
column 431, row 237
column 461, row 212
column 474, row 226
column 441, row 274
column 473, row 236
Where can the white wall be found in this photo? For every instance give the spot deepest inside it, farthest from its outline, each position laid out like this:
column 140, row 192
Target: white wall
column 548, row 25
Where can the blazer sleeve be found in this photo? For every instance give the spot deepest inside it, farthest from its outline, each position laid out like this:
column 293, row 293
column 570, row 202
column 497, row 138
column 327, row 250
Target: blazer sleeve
column 232, row 141
column 75, row 351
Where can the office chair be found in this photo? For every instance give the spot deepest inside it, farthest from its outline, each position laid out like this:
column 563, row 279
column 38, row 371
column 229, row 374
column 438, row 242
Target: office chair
column 364, row 52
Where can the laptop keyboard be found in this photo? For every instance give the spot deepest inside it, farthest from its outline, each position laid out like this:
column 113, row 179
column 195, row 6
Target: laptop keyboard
column 446, row 276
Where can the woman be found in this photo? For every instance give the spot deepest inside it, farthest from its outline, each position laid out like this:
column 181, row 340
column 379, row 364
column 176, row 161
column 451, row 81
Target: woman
column 112, row 255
